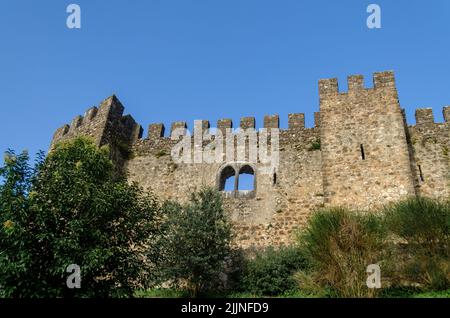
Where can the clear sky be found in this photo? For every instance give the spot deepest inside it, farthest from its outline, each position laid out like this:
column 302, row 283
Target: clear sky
column 170, row 60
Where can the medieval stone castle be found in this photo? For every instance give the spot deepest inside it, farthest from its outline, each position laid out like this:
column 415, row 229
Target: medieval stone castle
column 360, row 154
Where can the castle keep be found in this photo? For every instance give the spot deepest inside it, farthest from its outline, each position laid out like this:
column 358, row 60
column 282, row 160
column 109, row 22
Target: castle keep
column 360, row 154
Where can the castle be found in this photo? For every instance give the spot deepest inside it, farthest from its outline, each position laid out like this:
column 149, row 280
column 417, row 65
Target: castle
column 360, row 154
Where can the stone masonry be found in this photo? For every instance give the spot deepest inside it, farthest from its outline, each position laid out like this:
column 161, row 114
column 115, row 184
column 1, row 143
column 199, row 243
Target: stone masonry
column 360, row 154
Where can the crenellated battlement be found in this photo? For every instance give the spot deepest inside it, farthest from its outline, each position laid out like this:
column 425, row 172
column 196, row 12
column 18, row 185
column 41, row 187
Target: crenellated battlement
column 355, row 83
column 360, row 153
column 446, row 113
column 96, row 119
column 110, row 112
column 106, row 125
column 425, row 116
column 110, row 109
column 295, row 122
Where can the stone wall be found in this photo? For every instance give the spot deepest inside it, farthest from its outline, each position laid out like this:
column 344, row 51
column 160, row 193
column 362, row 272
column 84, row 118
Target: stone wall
column 360, row 154
column 365, row 155
column 430, row 143
column 282, row 199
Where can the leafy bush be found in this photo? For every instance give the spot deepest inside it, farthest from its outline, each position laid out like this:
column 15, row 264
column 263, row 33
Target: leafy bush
column 421, row 230
column 195, row 242
column 340, row 245
column 71, row 209
column 270, row 272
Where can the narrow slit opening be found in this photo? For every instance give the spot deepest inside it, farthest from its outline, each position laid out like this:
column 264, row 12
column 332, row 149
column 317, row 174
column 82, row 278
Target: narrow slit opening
column 363, row 155
column 421, row 173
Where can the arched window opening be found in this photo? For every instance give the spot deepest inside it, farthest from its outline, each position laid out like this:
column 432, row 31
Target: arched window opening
column 229, row 184
column 246, row 179
column 227, row 179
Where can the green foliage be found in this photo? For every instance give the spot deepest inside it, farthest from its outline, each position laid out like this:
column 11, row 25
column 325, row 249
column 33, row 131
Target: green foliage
column 195, row 243
column 421, row 228
column 445, row 151
column 422, row 222
column 410, row 240
column 124, row 149
column 413, row 292
column 72, row 211
column 160, row 153
column 433, row 294
column 315, row 145
column 16, row 240
column 161, row 293
column 340, row 245
column 270, row 273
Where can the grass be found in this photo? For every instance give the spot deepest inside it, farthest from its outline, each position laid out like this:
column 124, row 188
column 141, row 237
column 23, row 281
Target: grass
column 339, row 244
column 291, row 294
column 174, row 293
column 388, row 293
column 433, row 294
column 413, row 293
column 160, row 293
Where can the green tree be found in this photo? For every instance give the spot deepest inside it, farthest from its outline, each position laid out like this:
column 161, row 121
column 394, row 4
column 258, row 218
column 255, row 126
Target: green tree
column 75, row 211
column 16, row 241
column 196, row 242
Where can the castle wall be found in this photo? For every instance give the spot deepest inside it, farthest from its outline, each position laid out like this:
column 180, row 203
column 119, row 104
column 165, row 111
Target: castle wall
column 430, row 144
column 360, row 154
column 280, row 203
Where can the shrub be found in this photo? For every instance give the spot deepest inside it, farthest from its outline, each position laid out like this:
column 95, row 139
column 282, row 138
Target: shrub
column 270, row 272
column 195, row 243
column 315, row 145
column 160, row 153
column 72, row 211
column 421, row 232
column 340, row 244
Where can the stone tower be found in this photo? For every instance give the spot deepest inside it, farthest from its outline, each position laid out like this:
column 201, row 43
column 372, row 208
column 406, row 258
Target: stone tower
column 106, row 125
column 365, row 156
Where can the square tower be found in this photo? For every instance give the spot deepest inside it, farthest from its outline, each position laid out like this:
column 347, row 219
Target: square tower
column 365, row 157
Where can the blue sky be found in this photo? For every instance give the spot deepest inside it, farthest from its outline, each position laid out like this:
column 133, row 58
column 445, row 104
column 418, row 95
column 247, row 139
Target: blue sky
column 172, row 60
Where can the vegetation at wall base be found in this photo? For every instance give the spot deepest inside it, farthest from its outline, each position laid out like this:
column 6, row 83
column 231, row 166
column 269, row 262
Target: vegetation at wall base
column 196, row 243
column 409, row 240
column 72, row 208
column 270, row 272
column 421, row 228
